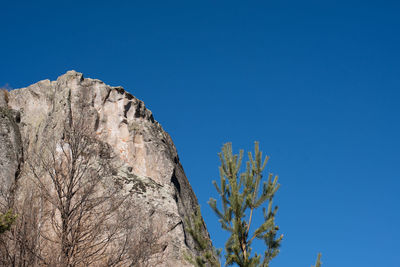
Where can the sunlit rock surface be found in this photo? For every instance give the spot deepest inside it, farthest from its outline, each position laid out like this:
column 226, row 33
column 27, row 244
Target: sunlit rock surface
column 146, row 159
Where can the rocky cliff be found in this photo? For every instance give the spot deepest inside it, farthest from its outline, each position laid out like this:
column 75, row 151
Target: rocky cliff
column 144, row 160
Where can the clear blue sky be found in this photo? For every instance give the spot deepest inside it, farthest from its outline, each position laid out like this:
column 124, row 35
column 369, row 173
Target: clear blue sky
column 316, row 82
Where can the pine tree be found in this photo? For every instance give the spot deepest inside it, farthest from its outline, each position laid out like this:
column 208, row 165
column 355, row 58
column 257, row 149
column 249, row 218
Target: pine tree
column 241, row 197
column 208, row 254
column 6, row 220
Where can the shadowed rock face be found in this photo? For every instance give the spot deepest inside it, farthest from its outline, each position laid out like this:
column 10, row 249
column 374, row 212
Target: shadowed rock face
column 145, row 156
column 11, row 156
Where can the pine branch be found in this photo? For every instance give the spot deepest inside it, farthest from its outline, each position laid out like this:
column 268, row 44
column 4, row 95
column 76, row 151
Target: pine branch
column 318, row 263
column 209, row 256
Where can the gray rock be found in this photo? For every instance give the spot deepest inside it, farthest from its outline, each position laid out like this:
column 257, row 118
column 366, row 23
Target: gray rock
column 11, row 156
column 145, row 159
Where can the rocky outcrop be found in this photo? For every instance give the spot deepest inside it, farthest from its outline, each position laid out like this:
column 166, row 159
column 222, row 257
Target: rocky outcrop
column 11, row 156
column 145, row 158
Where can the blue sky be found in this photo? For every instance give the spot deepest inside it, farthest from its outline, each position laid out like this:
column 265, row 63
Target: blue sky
column 316, row 82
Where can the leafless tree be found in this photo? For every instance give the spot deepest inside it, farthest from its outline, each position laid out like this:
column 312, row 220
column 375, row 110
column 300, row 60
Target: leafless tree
column 21, row 245
column 72, row 211
column 71, row 173
column 140, row 242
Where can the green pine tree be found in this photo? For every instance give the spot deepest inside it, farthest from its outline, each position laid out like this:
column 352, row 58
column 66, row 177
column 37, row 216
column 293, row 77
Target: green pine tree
column 6, row 220
column 241, row 196
column 209, row 256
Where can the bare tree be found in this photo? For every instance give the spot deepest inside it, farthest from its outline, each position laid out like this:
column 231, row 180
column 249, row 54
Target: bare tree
column 72, row 211
column 71, row 173
column 140, row 238
column 21, row 245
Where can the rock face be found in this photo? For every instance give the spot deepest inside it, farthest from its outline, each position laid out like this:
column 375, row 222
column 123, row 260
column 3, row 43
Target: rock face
column 145, row 159
column 11, row 156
